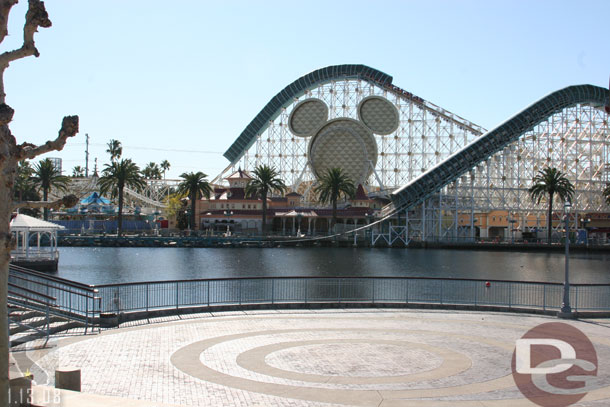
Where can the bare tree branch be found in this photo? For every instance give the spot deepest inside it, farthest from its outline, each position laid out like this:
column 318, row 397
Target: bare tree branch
column 68, row 201
column 69, row 128
column 5, row 9
column 35, row 17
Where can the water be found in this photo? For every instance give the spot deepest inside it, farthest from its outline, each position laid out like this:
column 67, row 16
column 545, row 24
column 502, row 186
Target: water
column 103, row 265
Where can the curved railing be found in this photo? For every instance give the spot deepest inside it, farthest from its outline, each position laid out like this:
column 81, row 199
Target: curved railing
column 492, row 142
column 178, row 295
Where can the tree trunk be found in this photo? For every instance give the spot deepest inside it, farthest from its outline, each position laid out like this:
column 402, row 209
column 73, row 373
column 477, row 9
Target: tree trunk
column 549, row 220
column 120, row 217
column 264, row 225
column 45, row 196
column 192, row 219
column 7, row 179
column 334, row 219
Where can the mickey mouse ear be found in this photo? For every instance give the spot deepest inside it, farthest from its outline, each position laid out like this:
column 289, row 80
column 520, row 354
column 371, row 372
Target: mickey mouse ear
column 378, row 114
column 308, row 116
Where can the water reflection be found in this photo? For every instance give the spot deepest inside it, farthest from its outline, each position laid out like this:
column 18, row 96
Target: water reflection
column 115, row 265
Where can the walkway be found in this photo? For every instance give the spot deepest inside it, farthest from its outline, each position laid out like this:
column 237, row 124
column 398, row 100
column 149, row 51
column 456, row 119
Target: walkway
column 312, row 358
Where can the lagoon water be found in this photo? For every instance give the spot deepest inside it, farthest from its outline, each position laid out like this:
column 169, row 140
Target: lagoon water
column 102, row 265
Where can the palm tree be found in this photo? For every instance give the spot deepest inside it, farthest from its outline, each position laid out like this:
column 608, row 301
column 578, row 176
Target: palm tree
column 165, row 166
column 115, row 177
column 551, row 182
column 194, row 186
column 332, row 185
column 78, row 172
column 23, row 180
column 152, row 171
column 46, row 176
column 265, row 179
column 114, row 149
column 606, row 193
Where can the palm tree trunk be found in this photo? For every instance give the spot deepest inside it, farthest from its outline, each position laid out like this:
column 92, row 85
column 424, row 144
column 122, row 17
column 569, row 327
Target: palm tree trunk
column 549, row 220
column 45, row 195
column 264, row 225
column 120, row 217
column 334, row 220
column 192, row 220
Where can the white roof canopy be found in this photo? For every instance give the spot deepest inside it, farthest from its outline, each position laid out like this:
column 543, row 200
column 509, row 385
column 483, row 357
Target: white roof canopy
column 25, row 222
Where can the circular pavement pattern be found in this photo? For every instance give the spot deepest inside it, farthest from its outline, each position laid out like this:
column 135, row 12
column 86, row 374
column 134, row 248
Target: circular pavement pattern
column 316, row 358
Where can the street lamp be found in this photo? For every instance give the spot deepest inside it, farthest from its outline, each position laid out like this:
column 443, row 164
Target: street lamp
column 228, row 214
column 298, row 217
column 584, row 222
column 566, row 309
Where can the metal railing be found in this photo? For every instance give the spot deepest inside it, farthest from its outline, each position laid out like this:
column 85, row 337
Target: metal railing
column 71, row 300
column 177, row 294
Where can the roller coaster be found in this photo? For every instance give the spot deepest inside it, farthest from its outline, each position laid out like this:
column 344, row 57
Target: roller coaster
column 436, row 167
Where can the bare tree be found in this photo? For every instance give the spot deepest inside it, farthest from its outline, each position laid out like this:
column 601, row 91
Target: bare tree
column 11, row 153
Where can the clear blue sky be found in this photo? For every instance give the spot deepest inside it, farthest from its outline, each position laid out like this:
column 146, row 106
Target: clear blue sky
column 189, row 75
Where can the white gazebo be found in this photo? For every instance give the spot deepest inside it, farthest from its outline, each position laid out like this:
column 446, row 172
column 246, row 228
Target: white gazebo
column 36, row 243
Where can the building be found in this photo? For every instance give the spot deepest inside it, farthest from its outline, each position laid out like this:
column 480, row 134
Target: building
column 230, row 211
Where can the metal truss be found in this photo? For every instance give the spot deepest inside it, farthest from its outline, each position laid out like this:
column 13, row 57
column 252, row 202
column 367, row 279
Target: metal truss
column 152, row 197
column 426, row 136
column 576, row 140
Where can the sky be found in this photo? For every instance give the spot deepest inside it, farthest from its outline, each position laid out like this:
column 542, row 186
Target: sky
column 180, row 80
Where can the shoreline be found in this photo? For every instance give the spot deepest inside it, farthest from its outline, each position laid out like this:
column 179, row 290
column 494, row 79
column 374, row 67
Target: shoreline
column 283, row 241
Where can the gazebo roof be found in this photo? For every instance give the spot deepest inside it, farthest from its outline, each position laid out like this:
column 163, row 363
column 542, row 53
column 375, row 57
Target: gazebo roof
column 25, row 222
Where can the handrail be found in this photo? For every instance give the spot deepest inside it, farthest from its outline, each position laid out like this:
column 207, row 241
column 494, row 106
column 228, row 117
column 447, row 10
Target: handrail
column 48, row 297
column 72, row 283
column 343, row 277
column 55, row 287
column 21, row 296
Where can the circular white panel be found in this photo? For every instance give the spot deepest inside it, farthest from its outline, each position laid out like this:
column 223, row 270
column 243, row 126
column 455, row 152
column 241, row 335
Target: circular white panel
column 378, row 114
column 346, row 144
column 307, row 117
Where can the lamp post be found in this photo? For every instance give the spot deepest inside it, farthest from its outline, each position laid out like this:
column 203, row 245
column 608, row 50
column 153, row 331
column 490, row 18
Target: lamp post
column 511, row 222
column 584, row 222
column 566, row 309
column 228, row 214
column 298, row 218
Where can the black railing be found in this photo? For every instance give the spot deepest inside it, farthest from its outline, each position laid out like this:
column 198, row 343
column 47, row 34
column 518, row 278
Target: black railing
column 71, row 300
column 176, row 294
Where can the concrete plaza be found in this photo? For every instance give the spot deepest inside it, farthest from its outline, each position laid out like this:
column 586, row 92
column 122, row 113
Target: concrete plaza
column 366, row 357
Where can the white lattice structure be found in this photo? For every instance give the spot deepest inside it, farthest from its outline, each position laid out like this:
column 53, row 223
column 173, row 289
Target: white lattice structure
column 425, row 136
column 575, row 140
column 433, row 161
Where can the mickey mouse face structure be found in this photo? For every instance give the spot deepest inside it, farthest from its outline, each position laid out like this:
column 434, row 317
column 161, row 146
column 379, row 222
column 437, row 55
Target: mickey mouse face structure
column 343, row 142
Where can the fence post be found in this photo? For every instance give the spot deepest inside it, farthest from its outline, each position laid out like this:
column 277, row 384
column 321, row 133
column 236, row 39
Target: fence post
column 147, row 297
column 544, row 298
column 407, row 292
column 510, row 294
column 306, row 281
column 177, row 295
column 339, row 294
column 441, row 293
column 208, row 288
column 476, row 293
column 239, row 291
column 576, row 298
column 272, row 290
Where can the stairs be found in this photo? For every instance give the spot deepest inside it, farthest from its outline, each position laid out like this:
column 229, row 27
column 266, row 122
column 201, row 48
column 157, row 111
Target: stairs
column 40, row 305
